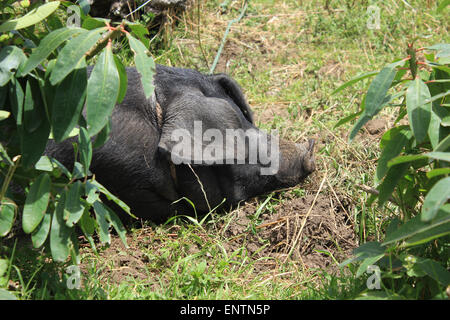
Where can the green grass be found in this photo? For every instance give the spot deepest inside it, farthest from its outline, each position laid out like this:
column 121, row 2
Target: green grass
column 288, row 56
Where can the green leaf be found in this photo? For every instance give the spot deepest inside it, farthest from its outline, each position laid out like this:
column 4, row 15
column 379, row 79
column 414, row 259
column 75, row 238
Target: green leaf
column 386, row 188
column 68, row 102
column 85, row 150
column 33, row 107
column 144, row 65
column 6, row 295
column 347, row 119
column 87, row 225
column 4, row 115
column 36, row 203
column 140, row 31
column 444, row 145
column 368, row 262
column 4, row 266
column 11, row 57
column 366, row 116
column 435, row 270
column 437, row 172
column 358, row 125
column 392, row 144
column 419, row 231
column 377, row 91
column 369, row 249
column 74, row 207
column 48, row 164
column 444, row 156
column 101, row 215
column 39, row 235
column 406, row 159
column 16, row 97
column 440, row 227
column 8, row 211
column 102, row 136
column 33, row 144
column 112, row 197
column 92, row 23
column 51, row 41
column 4, row 156
column 354, row 80
column 72, row 53
column 123, row 84
column 116, row 223
column 91, row 192
column 60, row 233
column 419, row 112
column 31, row 18
column 102, row 92
column 436, row 197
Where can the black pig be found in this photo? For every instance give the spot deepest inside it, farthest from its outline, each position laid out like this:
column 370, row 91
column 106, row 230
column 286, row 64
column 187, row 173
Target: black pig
column 142, row 164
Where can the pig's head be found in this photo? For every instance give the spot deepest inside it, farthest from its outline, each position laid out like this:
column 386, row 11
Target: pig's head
column 209, row 135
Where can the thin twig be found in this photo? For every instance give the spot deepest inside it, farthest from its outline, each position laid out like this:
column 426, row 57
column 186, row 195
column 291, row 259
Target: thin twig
column 201, row 186
column 306, row 217
column 224, row 39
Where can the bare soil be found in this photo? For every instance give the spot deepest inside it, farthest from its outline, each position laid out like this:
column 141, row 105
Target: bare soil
column 314, row 232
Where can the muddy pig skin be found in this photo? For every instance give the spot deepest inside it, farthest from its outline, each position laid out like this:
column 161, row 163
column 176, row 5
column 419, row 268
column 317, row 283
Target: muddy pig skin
column 142, row 164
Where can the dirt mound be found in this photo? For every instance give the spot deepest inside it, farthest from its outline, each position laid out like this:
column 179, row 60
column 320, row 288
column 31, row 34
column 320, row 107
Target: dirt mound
column 310, row 230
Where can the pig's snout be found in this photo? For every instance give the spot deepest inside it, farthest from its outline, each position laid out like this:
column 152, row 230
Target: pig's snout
column 306, row 151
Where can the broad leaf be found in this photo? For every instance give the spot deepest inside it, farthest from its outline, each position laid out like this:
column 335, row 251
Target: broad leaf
column 140, row 31
column 31, row 18
column 116, row 223
column 16, row 97
column 435, row 270
column 60, row 233
column 101, row 215
column 36, row 203
column 417, row 231
column 102, row 92
column 406, row 159
column 144, row 65
column 52, row 41
column 102, row 136
column 72, row 53
column 436, row 197
column 41, row 233
column 378, row 90
column 123, row 79
column 112, row 197
column 4, row 115
column 355, row 80
column 438, row 172
column 8, row 211
column 33, row 108
column 444, row 156
column 33, row 144
column 390, row 181
column 419, row 112
column 85, row 150
column 11, row 57
column 392, row 143
column 68, row 102
column 74, row 207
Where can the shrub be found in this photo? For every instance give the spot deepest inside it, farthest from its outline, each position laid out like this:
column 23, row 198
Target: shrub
column 43, row 88
column 412, row 174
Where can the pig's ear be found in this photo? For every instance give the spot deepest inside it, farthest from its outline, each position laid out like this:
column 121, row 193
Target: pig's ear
column 233, row 90
column 194, row 130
